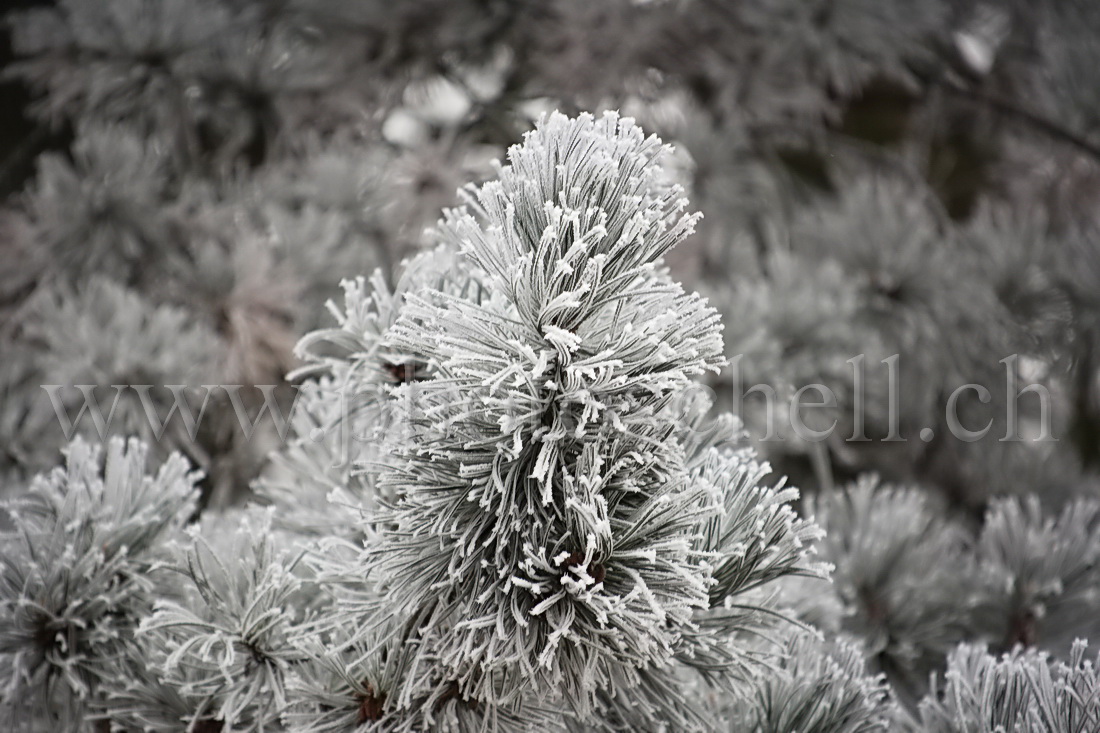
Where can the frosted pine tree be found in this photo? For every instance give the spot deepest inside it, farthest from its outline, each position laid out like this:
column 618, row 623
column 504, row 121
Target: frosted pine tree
column 557, row 540
column 878, row 176
column 549, row 533
column 79, row 575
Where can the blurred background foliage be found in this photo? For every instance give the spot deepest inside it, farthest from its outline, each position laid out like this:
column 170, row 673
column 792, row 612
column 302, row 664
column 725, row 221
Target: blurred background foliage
column 186, row 182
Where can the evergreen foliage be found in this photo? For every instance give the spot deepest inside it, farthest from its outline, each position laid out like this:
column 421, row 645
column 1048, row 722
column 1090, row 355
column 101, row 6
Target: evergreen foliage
column 509, row 495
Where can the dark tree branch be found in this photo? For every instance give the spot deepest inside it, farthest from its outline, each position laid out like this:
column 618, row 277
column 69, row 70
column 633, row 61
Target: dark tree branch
column 1007, row 108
